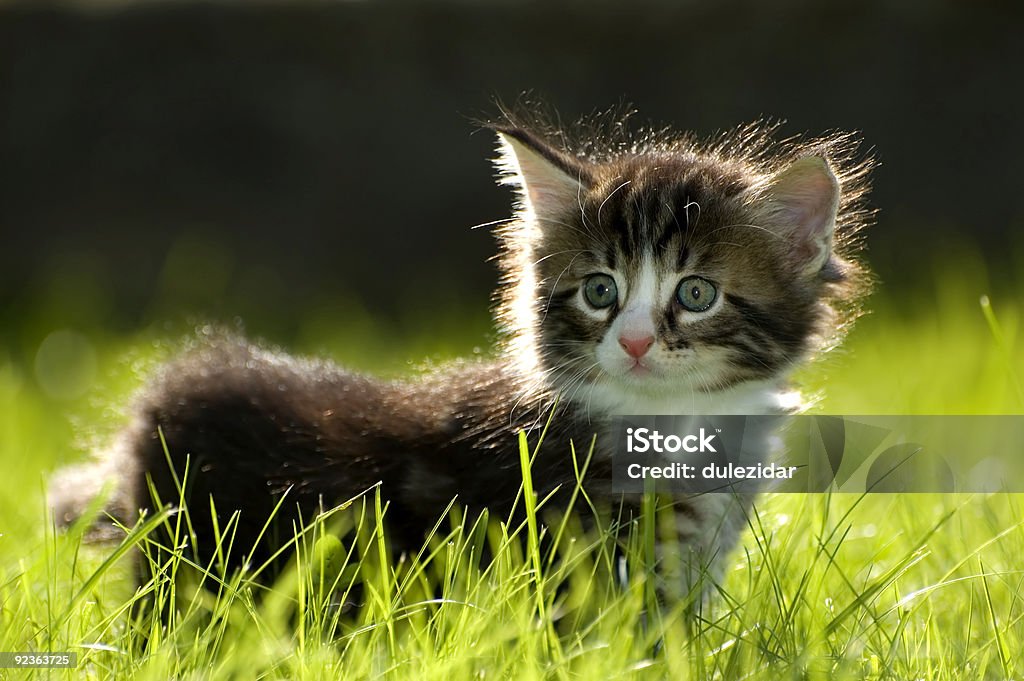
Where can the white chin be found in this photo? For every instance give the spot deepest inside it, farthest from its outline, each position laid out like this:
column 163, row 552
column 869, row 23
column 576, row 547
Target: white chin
column 647, row 383
column 622, row 395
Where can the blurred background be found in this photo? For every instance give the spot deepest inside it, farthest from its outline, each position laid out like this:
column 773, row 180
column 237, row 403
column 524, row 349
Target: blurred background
column 311, row 169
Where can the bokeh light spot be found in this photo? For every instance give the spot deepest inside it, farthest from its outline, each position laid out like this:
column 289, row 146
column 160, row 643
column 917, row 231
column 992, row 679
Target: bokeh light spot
column 65, row 365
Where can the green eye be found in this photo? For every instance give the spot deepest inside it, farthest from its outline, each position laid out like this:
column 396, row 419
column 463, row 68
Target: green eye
column 600, row 290
column 696, row 294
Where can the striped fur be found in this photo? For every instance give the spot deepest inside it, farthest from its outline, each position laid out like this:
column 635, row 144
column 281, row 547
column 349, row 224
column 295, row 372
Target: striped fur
column 773, row 226
column 770, row 228
column 650, row 213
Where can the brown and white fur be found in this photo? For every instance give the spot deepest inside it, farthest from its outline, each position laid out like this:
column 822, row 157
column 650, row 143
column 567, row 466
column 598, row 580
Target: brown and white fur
column 766, row 229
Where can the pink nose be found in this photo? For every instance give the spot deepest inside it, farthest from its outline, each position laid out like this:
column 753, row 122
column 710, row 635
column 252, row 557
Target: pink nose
column 636, row 347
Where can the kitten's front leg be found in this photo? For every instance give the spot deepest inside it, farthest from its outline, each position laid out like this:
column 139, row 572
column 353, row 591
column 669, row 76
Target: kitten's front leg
column 695, row 535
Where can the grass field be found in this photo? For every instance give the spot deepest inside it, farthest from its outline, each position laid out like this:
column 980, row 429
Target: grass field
column 823, row 587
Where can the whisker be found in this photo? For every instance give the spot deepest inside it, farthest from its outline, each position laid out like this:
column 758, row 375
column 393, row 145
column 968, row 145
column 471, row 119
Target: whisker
column 551, row 255
column 585, row 233
column 554, row 287
column 610, row 195
column 491, row 223
column 751, row 226
column 691, row 227
column 579, row 202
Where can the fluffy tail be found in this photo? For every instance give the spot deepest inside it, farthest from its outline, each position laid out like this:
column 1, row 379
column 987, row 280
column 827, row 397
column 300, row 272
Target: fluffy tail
column 96, row 491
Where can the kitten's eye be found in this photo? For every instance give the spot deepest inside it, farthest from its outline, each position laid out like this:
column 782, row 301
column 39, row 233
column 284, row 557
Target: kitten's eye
column 696, row 294
column 600, row 290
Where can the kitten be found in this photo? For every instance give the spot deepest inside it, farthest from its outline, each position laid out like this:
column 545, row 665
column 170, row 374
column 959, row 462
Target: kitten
column 644, row 275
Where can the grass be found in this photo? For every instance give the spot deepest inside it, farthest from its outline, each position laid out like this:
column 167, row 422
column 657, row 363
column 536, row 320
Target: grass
column 823, row 587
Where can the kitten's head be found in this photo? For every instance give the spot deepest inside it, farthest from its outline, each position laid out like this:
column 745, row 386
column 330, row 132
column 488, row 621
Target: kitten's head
column 661, row 268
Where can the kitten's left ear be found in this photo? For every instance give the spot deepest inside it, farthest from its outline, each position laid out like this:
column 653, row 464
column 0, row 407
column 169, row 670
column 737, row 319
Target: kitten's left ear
column 549, row 181
column 803, row 200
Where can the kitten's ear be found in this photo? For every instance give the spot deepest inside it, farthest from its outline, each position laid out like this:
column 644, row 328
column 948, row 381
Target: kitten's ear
column 803, row 201
column 549, row 181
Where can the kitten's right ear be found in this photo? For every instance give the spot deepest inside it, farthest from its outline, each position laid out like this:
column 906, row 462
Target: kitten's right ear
column 549, row 181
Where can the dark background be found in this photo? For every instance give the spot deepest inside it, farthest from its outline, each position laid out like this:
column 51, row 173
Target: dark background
column 265, row 160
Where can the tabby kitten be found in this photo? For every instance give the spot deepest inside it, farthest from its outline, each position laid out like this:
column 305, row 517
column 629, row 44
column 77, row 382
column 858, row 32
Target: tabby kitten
column 644, row 275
